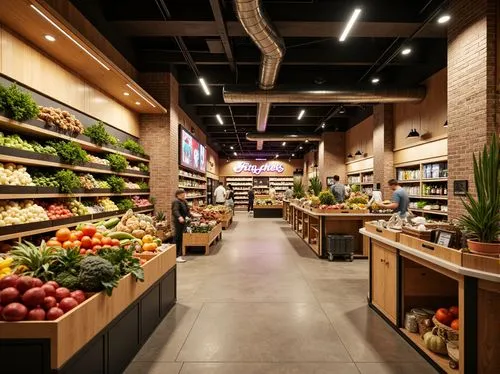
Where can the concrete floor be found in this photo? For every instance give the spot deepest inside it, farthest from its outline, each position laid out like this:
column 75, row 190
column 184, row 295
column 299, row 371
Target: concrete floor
column 262, row 302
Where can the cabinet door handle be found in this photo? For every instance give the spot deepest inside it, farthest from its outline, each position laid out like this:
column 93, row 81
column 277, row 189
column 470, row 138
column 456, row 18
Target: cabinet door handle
column 428, row 246
column 382, row 260
column 378, row 230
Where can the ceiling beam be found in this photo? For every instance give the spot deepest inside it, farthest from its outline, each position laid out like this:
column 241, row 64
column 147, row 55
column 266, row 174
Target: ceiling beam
column 221, row 28
column 286, row 29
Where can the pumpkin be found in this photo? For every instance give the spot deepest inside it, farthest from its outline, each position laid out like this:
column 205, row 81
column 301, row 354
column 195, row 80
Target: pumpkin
column 435, row 343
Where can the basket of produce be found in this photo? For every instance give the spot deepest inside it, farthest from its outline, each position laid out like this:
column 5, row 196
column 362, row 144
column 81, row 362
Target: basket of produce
column 420, row 232
column 447, row 323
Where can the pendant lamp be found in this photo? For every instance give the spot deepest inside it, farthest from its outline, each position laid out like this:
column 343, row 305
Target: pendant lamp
column 358, row 153
column 349, row 155
column 413, row 134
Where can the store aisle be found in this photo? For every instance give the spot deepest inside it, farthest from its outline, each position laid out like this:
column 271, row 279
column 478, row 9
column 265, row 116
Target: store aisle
column 263, row 303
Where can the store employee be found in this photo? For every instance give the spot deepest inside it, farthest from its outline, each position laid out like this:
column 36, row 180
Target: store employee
column 400, row 199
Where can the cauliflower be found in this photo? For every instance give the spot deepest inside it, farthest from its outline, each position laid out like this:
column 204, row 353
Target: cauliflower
column 138, row 233
column 96, row 274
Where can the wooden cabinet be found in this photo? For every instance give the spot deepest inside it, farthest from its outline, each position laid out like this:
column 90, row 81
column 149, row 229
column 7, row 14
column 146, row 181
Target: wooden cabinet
column 383, row 279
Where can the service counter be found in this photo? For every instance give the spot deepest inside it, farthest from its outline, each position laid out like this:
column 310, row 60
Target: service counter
column 407, row 273
column 101, row 335
column 314, row 227
column 267, row 211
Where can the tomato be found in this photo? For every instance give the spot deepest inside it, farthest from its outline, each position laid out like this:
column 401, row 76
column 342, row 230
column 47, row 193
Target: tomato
column 443, row 316
column 78, row 234
column 95, row 241
column 63, row 234
column 68, row 244
column 83, row 251
column 454, row 310
column 455, row 324
column 86, row 242
column 77, row 244
column 115, row 242
column 106, row 241
column 96, row 248
column 72, row 237
column 89, row 230
column 53, row 243
column 98, row 235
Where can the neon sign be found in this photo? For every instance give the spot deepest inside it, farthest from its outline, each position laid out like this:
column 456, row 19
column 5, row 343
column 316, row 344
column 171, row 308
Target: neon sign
column 268, row 167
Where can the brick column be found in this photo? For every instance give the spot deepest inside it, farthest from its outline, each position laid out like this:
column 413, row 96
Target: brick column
column 472, row 100
column 331, row 156
column 159, row 137
column 383, row 145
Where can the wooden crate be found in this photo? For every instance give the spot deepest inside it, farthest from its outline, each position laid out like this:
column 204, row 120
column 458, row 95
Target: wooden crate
column 69, row 333
column 340, row 211
column 488, row 264
column 423, row 235
column 433, row 249
column 226, row 220
column 383, row 232
column 201, row 239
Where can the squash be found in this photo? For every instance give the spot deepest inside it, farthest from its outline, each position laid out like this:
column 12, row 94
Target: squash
column 434, row 342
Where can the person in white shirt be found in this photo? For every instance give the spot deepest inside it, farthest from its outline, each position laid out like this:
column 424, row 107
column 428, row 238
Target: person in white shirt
column 220, row 194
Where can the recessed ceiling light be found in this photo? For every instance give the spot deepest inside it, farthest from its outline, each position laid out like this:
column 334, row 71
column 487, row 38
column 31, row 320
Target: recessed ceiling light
column 406, row 51
column 301, row 147
column 283, row 144
column 301, row 114
column 323, row 125
column 444, row 18
column 50, row 38
column 204, row 86
column 219, row 118
column 307, row 140
column 137, row 103
column 236, row 154
column 342, row 110
column 231, row 147
column 277, row 156
column 126, row 94
column 350, row 23
column 293, row 154
column 375, row 80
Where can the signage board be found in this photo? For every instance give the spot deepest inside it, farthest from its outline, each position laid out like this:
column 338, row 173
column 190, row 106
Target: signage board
column 268, row 167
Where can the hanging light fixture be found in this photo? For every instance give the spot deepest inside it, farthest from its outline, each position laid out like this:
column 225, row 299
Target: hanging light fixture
column 349, row 155
column 358, row 153
column 413, row 134
column 446, row 124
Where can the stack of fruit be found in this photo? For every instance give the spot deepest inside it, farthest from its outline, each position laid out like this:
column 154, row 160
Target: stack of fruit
column 107, row 204
column 19, row 212
column 88, row 239
column 45, row 180
column 132, row 186
column 5, row 269
column 103, row 184
column 58, row 211
column 28, row 298
column 14, row 175
column 140, row 202
column 62, row 119
column 15, row 141
column 77, row 208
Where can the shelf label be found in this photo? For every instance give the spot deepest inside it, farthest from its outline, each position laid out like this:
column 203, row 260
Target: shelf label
column 268, row 167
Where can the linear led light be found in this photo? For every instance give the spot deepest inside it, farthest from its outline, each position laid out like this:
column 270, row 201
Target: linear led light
column 283, row 144
column 138, row 93
column 350, row 24
column 261, row 159
column 236, row 154
column 204, row 86
column 219, row 118
column 69, row 37
column 301, row 114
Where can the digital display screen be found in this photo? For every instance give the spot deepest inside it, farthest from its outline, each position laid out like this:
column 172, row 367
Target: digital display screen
column 193, row 155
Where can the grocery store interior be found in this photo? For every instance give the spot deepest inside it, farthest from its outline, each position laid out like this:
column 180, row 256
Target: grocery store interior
column 249, row 186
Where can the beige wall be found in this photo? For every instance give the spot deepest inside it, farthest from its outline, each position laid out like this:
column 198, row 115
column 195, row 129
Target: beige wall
column 212, row 164
column 331, row 156
column 226, row 168
column 360, row 137
column 428, row 117
column 27, row 65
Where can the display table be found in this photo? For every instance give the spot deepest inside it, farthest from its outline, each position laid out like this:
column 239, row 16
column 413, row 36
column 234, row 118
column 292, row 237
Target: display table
column 201, row 239
column 102, row 335
column 412, row 274
column 313, row 227
column 227, row 220
column 286, row 210
column 267, row 211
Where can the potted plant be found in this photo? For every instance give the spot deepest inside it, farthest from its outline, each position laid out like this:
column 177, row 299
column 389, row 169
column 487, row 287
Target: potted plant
column 298, row 190
column 315, row 185
column 482, row 218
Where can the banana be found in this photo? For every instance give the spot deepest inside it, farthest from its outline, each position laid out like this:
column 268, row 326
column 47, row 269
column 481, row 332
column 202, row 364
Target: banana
column 5, row 263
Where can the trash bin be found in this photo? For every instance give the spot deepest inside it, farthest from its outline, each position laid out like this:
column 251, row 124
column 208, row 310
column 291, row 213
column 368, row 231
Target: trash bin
column 339, row 245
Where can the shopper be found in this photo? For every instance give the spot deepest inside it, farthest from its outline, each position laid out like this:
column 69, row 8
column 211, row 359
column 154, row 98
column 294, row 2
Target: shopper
column 288, row 193
column 338, row 189
column 400, row 199
column 180, row 216
column 251, row 198
column 220, row 194
column 230, row 197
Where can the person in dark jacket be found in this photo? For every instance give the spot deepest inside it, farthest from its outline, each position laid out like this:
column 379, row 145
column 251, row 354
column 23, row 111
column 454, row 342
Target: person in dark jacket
column 180, row 214
column 251, row 197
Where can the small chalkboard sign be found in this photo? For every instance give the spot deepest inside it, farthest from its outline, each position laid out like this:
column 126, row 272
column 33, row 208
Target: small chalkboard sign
column 460, row 188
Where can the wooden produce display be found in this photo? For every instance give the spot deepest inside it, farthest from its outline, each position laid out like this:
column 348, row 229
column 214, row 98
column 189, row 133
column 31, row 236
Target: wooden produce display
column 201, row 239
column 382, row 231
column 227, row 220
column 100, row 335
column 448, row 254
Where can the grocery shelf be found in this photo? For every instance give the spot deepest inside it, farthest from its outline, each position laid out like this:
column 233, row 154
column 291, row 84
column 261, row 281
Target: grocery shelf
column 434, row 211
column 192, row 187
column 434, row 197
column 196, row 197
column 435, row 180
column 38, row 128
column 62, row 195
column 367, row 184
column 409, row 181
column 193, row 178
column 53, row 225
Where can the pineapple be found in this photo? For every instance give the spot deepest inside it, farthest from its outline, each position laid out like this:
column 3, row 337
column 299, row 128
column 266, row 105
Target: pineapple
column 32, row 260
column 160, row 216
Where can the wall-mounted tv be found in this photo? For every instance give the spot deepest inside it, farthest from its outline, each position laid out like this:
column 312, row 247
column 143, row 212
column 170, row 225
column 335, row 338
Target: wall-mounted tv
column 193, row 155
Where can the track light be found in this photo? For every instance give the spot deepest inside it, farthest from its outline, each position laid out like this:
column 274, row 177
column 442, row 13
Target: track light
column 444, row 18
column 413, row 134
column 358, row 153
column 293, row 154
column 406, row 51
column 301, row 147
column 342, row 110
column 236, row 154
column 301, row 114
column 350, row 23
column 283, row 144
column 323, row 125
column 375, row 80
column 219, row 118
column 204, row 86
column 349, row 155
column 231, row 147
column 277, row 155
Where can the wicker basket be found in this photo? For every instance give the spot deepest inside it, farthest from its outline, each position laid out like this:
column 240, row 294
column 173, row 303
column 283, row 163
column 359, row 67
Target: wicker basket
column 446, row 332
column 424, row 235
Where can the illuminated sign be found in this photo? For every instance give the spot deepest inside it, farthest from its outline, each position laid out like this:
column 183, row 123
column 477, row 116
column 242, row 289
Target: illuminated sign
column 268, row 167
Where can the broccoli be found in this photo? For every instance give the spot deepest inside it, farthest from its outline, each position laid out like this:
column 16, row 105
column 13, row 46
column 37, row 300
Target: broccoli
column 96, row 274
column 68, row 280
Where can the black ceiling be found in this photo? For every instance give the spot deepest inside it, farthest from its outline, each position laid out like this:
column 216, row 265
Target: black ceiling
column 314, row 56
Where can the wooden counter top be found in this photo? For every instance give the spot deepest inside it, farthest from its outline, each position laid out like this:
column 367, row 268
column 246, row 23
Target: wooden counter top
column 362, row 215
column 435, row 260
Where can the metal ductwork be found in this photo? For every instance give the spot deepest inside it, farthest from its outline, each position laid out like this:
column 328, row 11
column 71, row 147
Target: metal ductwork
column 272, row 46
column 270, row 137
column 367, row 96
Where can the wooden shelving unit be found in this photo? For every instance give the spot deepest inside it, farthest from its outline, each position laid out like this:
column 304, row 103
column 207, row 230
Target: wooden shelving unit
column 364, row 179
column 241, row 185
column 193, row 182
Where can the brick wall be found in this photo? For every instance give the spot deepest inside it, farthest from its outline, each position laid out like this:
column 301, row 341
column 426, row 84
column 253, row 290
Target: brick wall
column 383, row 145
column 472, row 100
column 331, row 157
